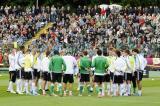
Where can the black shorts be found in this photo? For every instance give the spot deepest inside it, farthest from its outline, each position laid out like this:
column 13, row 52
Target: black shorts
column 138, row 75
column 68, row 78
column 99, row 79
column 111, row 76
column 107, row 78
column 20, row 73
column 128, row 76
column 37, row 74
column 84, row 78
column 12, row 76
column 56, row 77
column 29, row 75
column 46, row 76
column 118, row 79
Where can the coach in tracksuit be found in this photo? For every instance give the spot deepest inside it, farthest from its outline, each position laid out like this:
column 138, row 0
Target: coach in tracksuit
column 56, row 68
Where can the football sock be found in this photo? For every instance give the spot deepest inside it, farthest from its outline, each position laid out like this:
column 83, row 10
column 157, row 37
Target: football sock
column 52, row 89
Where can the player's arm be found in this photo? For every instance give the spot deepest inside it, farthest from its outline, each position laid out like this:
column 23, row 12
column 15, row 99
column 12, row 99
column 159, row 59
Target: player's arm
column 9, row 57
column 145, row 62
column 75, row 66
column 107, row 64
column 50, row 64
column 124, row 66
column 93, row 63
column 64, row 65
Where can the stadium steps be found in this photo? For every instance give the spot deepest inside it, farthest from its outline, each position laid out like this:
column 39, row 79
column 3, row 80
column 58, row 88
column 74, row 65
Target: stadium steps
column 42, row 30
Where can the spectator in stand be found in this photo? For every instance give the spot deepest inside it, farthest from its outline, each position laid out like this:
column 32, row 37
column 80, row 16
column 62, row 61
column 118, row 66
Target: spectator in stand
column 1, row 56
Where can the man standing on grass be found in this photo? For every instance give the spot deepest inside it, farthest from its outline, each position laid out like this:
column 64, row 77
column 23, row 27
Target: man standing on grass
column 36, row 67
column 111, row 59
column 85, row 68
column 71, row 69
column 130, row 63
column 140, row 64
column 45, row 69
column 19, row 62
column 107, row 77
column 100, row 64
column 12, row 71
column 56, row 67
column 28, row 75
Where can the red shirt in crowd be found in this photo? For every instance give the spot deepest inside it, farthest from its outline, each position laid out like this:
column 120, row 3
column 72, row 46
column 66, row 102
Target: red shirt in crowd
column 1, row 58
column 103, row 11
column 141, row 21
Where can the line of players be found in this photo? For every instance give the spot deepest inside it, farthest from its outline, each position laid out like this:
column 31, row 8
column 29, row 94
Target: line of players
column 103, row 73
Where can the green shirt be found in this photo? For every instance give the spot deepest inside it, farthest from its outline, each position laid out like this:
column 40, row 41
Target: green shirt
column 85, row 62
column 101, row 64
column 57, row 64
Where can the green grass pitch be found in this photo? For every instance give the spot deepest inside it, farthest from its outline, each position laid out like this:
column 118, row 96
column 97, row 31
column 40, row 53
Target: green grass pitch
column 151, row 97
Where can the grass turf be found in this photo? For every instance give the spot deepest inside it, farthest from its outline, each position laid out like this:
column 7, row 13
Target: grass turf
column 151, row 97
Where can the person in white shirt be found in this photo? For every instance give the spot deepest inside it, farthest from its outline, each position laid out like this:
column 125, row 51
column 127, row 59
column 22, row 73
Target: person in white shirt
column 130, row 63
column 140, row 64
column 111, row 58
column 119, row 69
column 28, row 73
column 19, row 62
column 35, row 63
column 71, row 69
column 45, row 71
column 12, row 71
column 32, row 82
column 37, row 66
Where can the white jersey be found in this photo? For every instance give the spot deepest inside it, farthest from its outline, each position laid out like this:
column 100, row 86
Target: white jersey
column 130, row 67
column 32, row 60
column 11, row 62
column 19, row 60
column 28, row 63
column 140, row 62
column 39, row 62
column 45, row 64
column 35, row 66
column 111, row 60
column 119, row 66
column 71, row 65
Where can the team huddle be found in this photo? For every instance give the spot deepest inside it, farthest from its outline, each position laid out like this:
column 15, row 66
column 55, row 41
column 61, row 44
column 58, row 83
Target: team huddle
column 112, row 73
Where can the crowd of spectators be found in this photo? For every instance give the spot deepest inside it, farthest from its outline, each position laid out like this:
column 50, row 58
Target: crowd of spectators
column 85, row 28
column 19, row 25
column 91, row 27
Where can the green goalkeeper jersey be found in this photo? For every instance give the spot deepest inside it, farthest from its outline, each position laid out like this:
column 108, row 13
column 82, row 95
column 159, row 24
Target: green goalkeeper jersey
column 57, row 64
column 85, row 65
column 100, row 64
